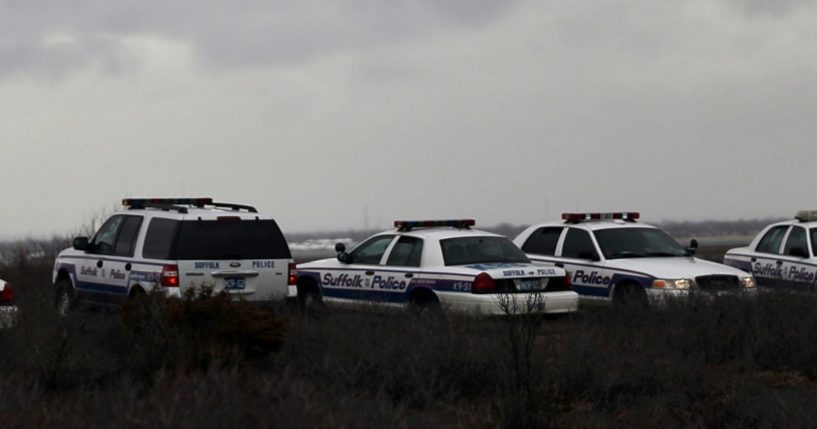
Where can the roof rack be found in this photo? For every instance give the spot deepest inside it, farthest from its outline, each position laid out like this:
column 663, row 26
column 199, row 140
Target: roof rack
column 408, row 225
column 235, row 207
column 582, row 217
column 181, row 204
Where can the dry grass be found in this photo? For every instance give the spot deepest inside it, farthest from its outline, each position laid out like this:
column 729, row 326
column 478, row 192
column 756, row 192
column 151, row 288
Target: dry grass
column 207, row 362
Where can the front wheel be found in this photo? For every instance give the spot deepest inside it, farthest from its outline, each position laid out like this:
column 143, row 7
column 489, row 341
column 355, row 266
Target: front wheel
column 64, row 299
column 630, row 295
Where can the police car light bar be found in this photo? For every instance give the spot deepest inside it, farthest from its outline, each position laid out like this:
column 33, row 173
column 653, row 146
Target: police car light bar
column 806, row 215
column 408, row 225
column 137, row 203
column 580, row 217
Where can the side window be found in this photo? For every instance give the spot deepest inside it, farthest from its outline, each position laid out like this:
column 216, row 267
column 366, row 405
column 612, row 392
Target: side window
column 813, row 233
column 104, row 242
column 579, row 245
column 796, row 240
column 543, row 241
column 371, row 251
column 159, row 238
column 406, row 252
column 127, row 236
column 770, row 243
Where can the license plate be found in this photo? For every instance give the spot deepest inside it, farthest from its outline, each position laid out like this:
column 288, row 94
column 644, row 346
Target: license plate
column 527, row 285
column 235, row 283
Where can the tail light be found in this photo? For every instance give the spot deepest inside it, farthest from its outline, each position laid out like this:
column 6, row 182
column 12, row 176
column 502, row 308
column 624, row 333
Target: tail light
column 567, row 282
column 483, row 283
column 293, row 274
column 170, row 276
column 7, row 295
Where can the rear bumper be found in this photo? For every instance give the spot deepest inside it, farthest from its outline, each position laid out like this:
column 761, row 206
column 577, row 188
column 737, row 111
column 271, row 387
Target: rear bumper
column 505, row 304
column 8, row 316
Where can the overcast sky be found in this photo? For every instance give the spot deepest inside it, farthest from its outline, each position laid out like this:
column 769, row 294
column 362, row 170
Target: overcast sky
column 333, row 114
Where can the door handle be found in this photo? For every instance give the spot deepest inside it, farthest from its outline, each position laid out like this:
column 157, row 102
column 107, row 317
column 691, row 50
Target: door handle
column 127, row 266
column 99, row 263
column 369, row 273
column 409, row 275
column 560, row 265
column 753, row 259
column 779, row 262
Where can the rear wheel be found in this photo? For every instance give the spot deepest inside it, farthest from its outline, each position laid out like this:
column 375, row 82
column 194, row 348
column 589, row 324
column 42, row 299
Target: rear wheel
column 64, row 298
column 424, row 301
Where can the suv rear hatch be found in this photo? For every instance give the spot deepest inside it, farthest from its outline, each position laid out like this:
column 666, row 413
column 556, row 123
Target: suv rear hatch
column 241, row 255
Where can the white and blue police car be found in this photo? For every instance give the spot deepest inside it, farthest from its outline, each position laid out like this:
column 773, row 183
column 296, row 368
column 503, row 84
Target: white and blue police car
column 172, row 245
column 612, row 256
column 783, row 254
column 441, row 264
column 8, row 311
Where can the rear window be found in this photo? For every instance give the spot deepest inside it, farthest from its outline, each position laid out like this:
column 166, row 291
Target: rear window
column 479, row 250
column 213, row 239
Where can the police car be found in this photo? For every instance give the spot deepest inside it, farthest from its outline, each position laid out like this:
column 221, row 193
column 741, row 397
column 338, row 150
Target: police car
column 442, row 264
column 8, row 311
column 612, row 256
column 783, row 254
column 171, row 245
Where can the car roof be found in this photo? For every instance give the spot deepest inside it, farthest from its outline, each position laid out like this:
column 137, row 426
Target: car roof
column 593, row 225
column 193, row 213
column 441, row 233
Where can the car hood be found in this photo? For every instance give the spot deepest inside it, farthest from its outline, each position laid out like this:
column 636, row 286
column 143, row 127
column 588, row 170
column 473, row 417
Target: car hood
column 674, row 268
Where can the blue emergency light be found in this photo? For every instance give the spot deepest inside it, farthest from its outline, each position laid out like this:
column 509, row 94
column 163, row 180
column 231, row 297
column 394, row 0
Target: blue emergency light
column 579, row 217
column 137, row 203
column 407, row 225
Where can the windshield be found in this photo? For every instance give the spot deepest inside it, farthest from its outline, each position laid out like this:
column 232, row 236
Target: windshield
column 618, row 243
column 480, row 250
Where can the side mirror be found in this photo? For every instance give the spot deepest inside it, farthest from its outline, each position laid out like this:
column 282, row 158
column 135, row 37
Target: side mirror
column 693, row 246
column 798, row 252
column 343, row 257
column 81, row 243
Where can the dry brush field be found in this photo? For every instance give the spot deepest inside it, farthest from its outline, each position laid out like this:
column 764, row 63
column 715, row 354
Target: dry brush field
column 206, row 362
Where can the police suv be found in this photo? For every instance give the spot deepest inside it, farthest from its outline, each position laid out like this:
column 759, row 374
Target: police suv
column 783, row 254
column 172, row 244
column 8, row 311
column 442, row 264
column 611, row 256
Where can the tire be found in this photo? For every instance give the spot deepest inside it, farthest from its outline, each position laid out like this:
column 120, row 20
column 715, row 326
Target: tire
column 64, row 299
column 630, row 295
column 424, row 301
column 310, row 299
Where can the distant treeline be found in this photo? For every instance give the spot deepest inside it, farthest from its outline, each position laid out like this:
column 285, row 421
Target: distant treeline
column 707, row 228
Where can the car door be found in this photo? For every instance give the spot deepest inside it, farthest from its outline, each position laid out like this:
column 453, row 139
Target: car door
column 797, row 270
column 354, row 280
column 540, row 246
column 103, row 274
column 403, row 265
column 766, row 262
column 581, row 259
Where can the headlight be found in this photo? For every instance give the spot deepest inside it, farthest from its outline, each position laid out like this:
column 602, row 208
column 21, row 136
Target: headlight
column 671, row 283
column 748, row 282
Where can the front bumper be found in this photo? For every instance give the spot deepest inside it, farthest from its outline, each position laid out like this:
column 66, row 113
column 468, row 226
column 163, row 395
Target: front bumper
column 661, row 296
column 8, row 316
column 510, row 304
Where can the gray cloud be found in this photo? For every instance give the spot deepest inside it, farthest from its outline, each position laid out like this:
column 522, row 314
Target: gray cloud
column 224, row 34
